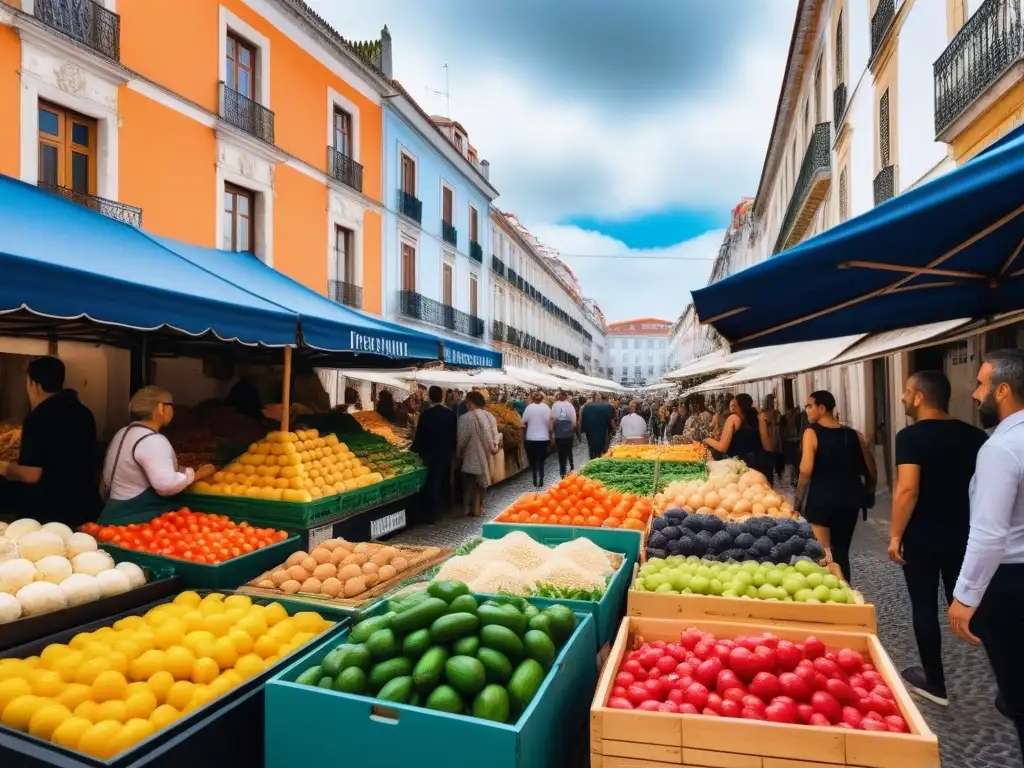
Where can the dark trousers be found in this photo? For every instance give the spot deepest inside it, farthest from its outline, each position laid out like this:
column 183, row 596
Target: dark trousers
column 999, row 623
column 842, row 523
column 564, row 445
column 922, row 571
column 436, row 493
column 596, row 445
column 537, row 452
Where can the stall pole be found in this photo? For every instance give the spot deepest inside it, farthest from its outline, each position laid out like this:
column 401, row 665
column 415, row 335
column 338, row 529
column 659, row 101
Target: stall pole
column 286, row 390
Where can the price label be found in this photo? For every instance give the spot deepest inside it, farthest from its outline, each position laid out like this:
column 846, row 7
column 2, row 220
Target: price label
column 387, row 524
column 318, row 536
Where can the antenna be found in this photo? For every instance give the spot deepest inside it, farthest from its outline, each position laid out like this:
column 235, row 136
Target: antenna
column 446, row 93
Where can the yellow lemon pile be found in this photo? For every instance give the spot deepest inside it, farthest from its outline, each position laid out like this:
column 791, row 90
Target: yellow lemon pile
column 107, row 690
column 292, row 466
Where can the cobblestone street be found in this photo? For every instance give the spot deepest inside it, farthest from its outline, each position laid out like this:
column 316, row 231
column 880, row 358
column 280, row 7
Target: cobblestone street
column 972, row 734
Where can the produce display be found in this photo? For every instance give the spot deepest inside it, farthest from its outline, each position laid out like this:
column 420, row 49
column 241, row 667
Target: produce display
column 510, row 425
column 187, row 535
column 378, row 455
column 292, row 466
column 339, row 568
column 46, row 568
column 736, row 497
column 373, row 422
column 758, row 677
column 108, row 690
column 10, row 442
column 579, row 501
column 197, row 433
column 693, row 452
column 519, row 565
column 445, row 650
column 763, row 539
column 802, row 582
column 637, row 475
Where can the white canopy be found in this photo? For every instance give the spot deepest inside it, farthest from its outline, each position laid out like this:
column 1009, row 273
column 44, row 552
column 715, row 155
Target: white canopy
column 387, row 378
column 716, row 362
column 591, row 382
column 489, row 378
column 540, row 379
column 785, row 359
column 891, row 341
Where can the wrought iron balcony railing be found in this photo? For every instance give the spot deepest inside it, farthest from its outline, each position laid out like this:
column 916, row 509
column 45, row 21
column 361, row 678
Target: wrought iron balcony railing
column 811, row 185
column 885, row 184
column 84, row 21
column 419, row 307
column 497, row 330
column 246, row 115
column 497, row 266
column 349, row 294
column 449, row 234
column 984, row 49
column 410, row 206
column 838, row 105
column 512, row 276
column 126, row 214
column 881, row 20
column 476, row 252
column 343, row 168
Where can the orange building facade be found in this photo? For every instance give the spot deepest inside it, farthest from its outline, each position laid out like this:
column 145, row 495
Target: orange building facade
column 238, row 124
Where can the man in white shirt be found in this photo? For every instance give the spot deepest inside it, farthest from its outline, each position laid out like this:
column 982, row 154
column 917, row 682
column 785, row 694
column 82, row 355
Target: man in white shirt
column 633, row 424
column 537, row 423
column 563, row 426
column 990, row 589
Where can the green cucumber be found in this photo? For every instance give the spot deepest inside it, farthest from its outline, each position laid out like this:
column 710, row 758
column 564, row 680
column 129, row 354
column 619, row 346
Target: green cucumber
column 463, row 604
column 453, row 626
column 465, row 674
column 381, row 674
column 492, row 704
column 416, row 644
column 563, row 623
column 326, row 682
column 447, row 590
column 362, row 631
column 397, row 689
column 420, row 616
column 540, row 647
column 357, row 655
column 429, row 669
column 332, row 663
column 503, row 639
column 409, row 601
column 530, row 611
column 466, row 646
column 350, row 680
column 444, row 698
column 506, row 616
column 496, row 665
column 542, row 623
column 526, row 681
column 311, row 676
column 383, row 645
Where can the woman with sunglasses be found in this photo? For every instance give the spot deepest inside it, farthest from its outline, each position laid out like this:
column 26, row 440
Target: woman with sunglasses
column 141, row 468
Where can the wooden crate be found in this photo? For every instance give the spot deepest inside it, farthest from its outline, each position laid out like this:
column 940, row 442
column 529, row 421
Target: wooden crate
column 837, row 617
column 621, row 738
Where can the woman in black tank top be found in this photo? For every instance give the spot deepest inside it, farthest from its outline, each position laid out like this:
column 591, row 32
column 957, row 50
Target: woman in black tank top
column 744, row 436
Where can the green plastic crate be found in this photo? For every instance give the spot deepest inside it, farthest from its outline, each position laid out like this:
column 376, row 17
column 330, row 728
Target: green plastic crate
column 233, row 573
column 289, row 515
column 368, row 731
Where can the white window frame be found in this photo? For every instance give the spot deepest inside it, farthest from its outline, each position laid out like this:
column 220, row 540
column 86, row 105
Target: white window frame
column 407, row 238
column 403, row 150
column 474, row 275
column 335, row 220
column 263, row 213
column 335, row 99
column 229, row 22
column 448, row 259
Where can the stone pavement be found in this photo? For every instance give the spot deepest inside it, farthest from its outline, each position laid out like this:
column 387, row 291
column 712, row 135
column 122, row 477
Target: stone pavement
column 972, row 734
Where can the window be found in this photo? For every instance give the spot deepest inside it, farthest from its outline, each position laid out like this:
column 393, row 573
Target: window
column 839, row 51
column 883, row 130
column 819, row 112
column 650, row 343
column 650, row 357
column 343, row 254
column 446, row 284
column 408, row 175
column 473, row 225
column 447, row 205
column 636, row 357
column 408, row 267
column 458, row 142
column 650, row 370
column 661, row 344
column 67, row 149
column 638, row 371
column 241, row 67
column 625, row 371
column 473, row 289
column 636, row 343
column 343, row 132
column 239, row 212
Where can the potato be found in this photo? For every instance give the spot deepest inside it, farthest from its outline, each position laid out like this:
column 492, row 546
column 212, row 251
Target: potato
column 331, row 587
column 324, row 571
column 379, row 559
column 331, row 544
column 279, row 577
column 355, row 586
column 365, row 547
column 338, row 556
column 321, row 555
column 399, row 564
column 371, row 579
column 291, row 586
column 431, row 552
column 310, row 585
column 349, row 571
column 298, row 573
column 360, row 557
column 389, row 552
column 267, row 584
column 370, row 567
column 295, row 558
column 387, row 572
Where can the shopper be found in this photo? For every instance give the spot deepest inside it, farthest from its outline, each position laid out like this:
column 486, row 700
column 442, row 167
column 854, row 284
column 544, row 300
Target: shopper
column 676, row 422
column 698, row 424
column 460, row 403
column 773, row 423
column 563, row 427
column 435, row 441
column 141, row 468
column 837, row 474
column 633, row 426
column 990, row 591
column 597, row 422
column 478, row 441
column 537, row 423
column 935, row 459
column 55, row 468
column 659, row 424
column 744, row 434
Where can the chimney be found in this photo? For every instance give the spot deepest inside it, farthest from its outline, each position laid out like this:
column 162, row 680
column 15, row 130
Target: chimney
column 485, row 169
column 385, row 51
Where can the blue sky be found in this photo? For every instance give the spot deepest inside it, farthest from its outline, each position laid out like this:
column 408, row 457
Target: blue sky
column 629, row 135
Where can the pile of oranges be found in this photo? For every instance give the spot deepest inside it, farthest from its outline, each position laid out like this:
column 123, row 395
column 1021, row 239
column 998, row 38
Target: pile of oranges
column 581, row 502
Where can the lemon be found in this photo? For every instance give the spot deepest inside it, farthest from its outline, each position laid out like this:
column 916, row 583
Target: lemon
column 19, row 711
column 189, row 598
column 301, row 638
column 32, row 662
column 134, row 731
column 253, row 625
column 283, row 631
column 11, row 689
column 170, row 633
column 127, row 647
column 274, row 613
column 155, row 617
column 265, row 647
column 67, row 665
column 237, row 601
column 104, row 634
column 145, row 640
column 163, row 716
column 139, row 686
column 99, row 740
column 112, row 710
column 70, row 732
column 109, row 685
column 205, row 671
column 130, row 623
column 214, row 597
column 235, row 615
column 89, row 670
column 242, row 641
column 271, row 660
column 249, row 666
column 180, row 694
column 46, row 720
column 232, row 677
column 224, row 653
column 13, row 668
column 178, row 611
column 88, row 710
column 74, row 694
column 210, row 608
column 221, row 685
column 217, row 624
column 117, row 661
column 141, row 704
column 146, row 665
column 160, row 683
column 95, row 650
column 200, row 642
column 179, row 661
column 201, row 696
column 193, row 620
column 53, row 653
column 307, row 621
column 79, row 641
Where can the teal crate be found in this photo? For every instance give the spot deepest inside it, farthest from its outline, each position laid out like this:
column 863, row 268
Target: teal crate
column 607, row 612
column 366, row 731
column 233, row 573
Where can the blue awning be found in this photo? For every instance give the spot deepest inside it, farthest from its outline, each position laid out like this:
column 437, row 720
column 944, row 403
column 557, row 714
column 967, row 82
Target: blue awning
column 64, row 262
column 948, row 249
column 464, row 355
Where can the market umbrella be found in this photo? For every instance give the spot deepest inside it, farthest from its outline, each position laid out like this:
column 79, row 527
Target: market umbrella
column 948, row 249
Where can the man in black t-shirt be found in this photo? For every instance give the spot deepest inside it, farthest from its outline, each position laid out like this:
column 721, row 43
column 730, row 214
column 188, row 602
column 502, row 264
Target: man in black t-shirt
column 931, row 515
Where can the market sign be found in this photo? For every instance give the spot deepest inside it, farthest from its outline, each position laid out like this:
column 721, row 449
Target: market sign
column 362, row 342
column 467, row 359
column 387, row 524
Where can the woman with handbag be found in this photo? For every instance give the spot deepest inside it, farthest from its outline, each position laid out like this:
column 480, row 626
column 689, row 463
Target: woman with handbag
column 478, row 441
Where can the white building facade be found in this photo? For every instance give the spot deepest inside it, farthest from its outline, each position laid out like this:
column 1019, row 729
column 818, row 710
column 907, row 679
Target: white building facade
column 638, row 351
column 595, row 332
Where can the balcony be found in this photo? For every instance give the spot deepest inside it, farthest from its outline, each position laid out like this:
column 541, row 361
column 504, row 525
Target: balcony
column 512, row 276
column 838, row 105
column 810, row 189
column 449, row 234
column 885, row 184
column 419, row 307
column 881, row 22
column 343, row 168
column 349, row 294
column 410, row 206
column 84, row 21
column 497, row 330
column 497, row 266
column 126, row 214
column 983, row 62
column 476, row 252
column 246, row 114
